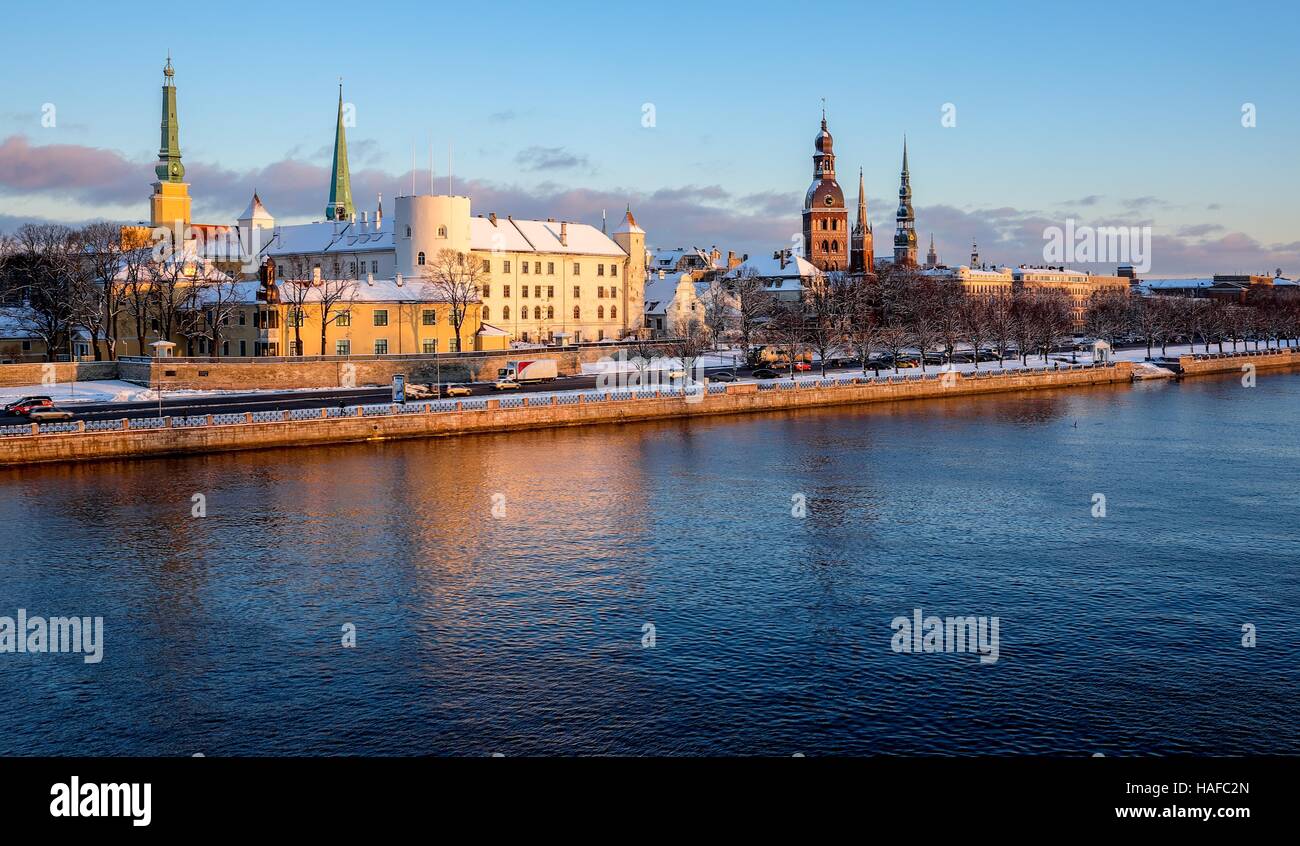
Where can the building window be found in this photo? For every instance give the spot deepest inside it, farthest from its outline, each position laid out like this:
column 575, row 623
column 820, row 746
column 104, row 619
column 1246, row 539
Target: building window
column 442, row 232
column 537, row 291
column 243, row 319
column 430, row 346
column 577, row 292
column 550, row 268
column 381, row 346
column 343, row 347
column 505, row 312
column 243, row 349
column 295, row 318
column 505, row 266
column 600, row 312
column 550, row 291
column 487, row 290
column 505, row 291
column 577, row 269
column 537, row 267
column 600, row 270
column 408, row 232
column 420, row 259
column 835, row 246
column 600, row 290
column 577, row 313
column 613, row 293
column 550, row 312
column 487, row 265
column 343, row 318
column 381, row 317
column 374, row 266
column 613, row 312
column 523, row 290
column 523, row 267
column 279, row 270
column 486, row 314
column 537, row 312
column 613, row 270
column 429, row 317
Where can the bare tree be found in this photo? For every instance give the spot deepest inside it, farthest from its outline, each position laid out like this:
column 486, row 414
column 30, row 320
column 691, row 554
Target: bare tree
column 41, row 284
column 753, row 306
column 975, row 323
column 863, row 318
column 456, row 279
column 1108, row 315
column 787, row 329
column 217, row 298
column 104, row 253
column 335, row 297
column 690, row 342
column 1000, row 317
column 823, row 305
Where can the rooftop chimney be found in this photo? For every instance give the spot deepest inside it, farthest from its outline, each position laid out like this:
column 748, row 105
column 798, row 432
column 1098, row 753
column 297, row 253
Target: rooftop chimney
column 370, row 279
column 399, row 280
column 564, row 234
column 492, row 216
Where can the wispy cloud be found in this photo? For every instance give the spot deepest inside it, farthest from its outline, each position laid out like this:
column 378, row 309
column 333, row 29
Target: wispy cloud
column 549, row 158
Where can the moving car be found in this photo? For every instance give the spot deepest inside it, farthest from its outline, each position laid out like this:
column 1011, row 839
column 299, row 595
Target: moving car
column 723, row 376
column 48, row 414
column 802, row 366
column 27, row 404
column 457, row 390
column 505, row 385
column 765, row 373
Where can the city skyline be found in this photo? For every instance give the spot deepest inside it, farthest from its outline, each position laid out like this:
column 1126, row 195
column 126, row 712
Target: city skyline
column 524, row 144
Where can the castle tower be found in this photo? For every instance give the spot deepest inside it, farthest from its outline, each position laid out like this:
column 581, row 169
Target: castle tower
column 170, row 204
column 631, row 238
column 974, row 255
column 340, row 205
column 825, row 219
column 905, row 234
column 932, row 258
column 863, row 256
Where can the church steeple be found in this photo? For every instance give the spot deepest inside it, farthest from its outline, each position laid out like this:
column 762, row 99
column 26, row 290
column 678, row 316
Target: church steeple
column 863, row 247
column 905, row 234
column 169, row 205
column 340, row 204
column 932, row 258
column 169, row 167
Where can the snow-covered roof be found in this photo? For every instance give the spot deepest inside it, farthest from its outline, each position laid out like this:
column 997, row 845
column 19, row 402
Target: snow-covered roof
column 327, row 237
column 1167, row 284
column 660, row 292
column 769, row 267
column 489, row 329
column 628, row 226
column 369, row 291
column 581, row 238
column 256, row 212
column 11, row 327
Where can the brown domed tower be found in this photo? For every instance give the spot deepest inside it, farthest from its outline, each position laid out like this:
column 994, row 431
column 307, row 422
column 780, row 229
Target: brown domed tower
column 826, row 232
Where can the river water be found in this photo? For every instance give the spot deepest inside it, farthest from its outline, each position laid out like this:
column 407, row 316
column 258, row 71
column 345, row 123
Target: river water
column 500, row 586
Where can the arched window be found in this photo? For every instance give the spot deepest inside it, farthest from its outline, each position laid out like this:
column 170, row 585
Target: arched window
column 550, row 312
column 408, row 232
column 505, row 312
column 613, row 312
column 442, row 232
column 537, row 312
column 577, row 312
column 600, row 312
column 825, row 247
column 420, row 259
column 486, row 314
column 835, row 246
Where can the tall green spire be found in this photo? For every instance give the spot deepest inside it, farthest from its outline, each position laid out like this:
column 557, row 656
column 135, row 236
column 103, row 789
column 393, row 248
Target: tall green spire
column 340, row 205
column 169, row 167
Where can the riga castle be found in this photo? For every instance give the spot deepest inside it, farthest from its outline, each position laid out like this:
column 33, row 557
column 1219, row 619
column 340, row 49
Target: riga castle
column 540, row 280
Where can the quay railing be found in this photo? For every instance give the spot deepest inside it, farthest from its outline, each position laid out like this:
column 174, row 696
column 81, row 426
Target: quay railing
column 448, row 406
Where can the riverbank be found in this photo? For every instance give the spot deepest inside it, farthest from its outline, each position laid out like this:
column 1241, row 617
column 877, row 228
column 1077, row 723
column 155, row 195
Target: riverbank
column 81, row 441
column 223, row 433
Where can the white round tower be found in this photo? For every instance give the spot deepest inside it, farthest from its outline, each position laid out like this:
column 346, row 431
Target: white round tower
column 425, row 225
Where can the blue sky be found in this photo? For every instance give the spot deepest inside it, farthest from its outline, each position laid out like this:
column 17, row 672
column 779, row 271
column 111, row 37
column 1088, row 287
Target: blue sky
column 1114, row 113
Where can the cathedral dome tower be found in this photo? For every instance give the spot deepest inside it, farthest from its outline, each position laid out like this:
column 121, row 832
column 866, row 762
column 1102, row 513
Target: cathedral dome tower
column 825, row 219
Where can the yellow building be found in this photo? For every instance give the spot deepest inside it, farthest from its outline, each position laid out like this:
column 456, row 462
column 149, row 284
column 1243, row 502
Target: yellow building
column 1078, row 285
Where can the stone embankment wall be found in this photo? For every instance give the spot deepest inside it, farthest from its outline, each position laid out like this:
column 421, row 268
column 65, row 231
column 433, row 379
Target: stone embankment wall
column 519, row 412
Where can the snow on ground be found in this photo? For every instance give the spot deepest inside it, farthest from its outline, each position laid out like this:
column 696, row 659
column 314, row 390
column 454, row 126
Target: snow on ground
column 66, row 393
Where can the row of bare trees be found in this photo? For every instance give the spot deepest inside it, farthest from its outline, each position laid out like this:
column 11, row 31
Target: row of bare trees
column 63, row 284
column 901, row 312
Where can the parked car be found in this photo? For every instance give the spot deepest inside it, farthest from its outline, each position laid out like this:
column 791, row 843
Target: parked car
column 457, row 390
column 766, row 373
column 27, row 404
column 907, row 361
column 802, row 366
column 48, row 414
column 723, row 376
column 505, row 385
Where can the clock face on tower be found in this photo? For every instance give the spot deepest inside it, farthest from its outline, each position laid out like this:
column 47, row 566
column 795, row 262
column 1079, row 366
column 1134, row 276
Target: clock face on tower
column 830, row 201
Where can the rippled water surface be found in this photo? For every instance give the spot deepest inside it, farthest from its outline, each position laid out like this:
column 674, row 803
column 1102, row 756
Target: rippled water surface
column 523, row 635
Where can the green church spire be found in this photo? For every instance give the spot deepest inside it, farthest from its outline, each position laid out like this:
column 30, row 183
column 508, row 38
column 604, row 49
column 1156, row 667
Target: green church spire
column 169, row 167
column 340, row 205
